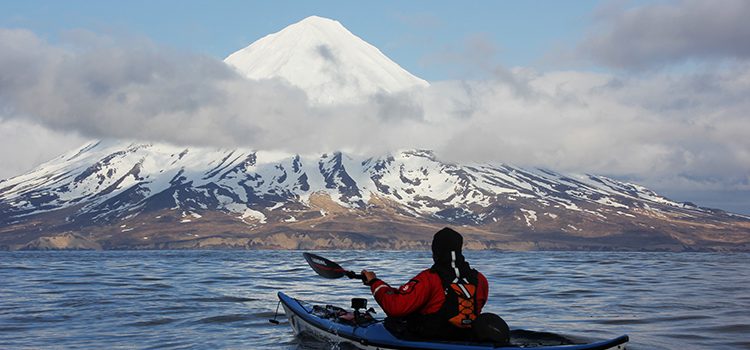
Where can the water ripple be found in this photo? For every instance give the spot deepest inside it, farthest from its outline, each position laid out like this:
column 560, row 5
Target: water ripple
column 223, row 299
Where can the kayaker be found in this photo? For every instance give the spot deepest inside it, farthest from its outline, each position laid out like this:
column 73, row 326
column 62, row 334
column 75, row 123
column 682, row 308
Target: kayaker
column 442, row 302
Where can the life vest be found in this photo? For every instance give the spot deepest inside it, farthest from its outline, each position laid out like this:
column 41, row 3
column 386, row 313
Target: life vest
column 460, row 306
column 460, row 299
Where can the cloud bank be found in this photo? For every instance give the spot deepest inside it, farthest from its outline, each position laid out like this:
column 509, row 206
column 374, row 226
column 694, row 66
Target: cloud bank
column 684, row 130
column 654, row 35
column 136, row 89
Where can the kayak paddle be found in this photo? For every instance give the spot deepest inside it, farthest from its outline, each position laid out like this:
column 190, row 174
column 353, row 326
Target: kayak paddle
column 329, row 269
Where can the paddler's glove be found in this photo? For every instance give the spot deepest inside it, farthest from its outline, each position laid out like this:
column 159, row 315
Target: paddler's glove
column 369, row 277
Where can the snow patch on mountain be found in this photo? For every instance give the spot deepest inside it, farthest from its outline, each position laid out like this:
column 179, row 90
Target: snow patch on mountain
column 529, row 216
column 255, row 215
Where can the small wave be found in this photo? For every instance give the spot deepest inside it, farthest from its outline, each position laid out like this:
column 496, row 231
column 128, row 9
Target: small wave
column 209, row 281
column 729, row 328
column 225, row 318
column 54, row 292
column 83, row 302
column 179, row 309
column 149, row 279
column 41, row 319
column 680, row 318
column 684, row 336
column 40, row 280
column 153, row 287
column 742, row 344
column 531, row 278
column 223, row 299
column 116, row 284
column 23, row 268
column 93, row 274
column 11, row 329
column 70, row 283
column 622, row 321
column 574, row 293
column 155, row 322
column 229, row 278
column 172, row 345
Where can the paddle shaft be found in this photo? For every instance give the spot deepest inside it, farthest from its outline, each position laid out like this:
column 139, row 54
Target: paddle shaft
column 347, row 273
column 353, row 275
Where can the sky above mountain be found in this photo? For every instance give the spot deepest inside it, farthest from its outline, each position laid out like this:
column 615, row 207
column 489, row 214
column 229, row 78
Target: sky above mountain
column 650, row 91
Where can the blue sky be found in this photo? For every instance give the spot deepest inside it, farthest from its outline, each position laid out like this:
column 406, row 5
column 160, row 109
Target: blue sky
column 655, row 92
column 413, row 33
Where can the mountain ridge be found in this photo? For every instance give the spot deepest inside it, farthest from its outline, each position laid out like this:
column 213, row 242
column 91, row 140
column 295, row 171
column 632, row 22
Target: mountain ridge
column 255, row 198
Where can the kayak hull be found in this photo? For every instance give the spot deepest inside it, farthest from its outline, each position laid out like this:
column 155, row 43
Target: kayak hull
column 376, row 337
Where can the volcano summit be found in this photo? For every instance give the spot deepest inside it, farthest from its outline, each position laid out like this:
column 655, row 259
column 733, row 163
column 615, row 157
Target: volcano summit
column 324, row 59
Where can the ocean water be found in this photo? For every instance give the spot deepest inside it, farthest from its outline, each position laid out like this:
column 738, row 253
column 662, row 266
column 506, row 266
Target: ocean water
column 223, row 299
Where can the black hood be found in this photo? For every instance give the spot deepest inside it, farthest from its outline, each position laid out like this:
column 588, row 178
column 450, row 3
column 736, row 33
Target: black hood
column 444, row 242
column 446, row 253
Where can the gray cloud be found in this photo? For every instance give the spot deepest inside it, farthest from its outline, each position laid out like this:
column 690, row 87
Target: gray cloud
column 103, row 88
column 664, row 126
column 652, row 35
column 326, row 52
column 137, row 91
column 397, row 106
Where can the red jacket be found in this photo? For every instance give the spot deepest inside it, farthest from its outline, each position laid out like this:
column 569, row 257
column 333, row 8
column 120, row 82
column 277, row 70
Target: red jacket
column 423, row 294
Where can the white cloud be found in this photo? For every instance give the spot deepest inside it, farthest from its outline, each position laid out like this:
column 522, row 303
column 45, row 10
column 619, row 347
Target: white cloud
column 649, row 127
column 24, row 145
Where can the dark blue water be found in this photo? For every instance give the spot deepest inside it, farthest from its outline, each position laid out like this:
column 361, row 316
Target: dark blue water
column 223, row 299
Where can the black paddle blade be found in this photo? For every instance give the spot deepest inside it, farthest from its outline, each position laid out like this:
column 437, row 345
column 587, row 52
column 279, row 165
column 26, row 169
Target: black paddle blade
column 324, row 267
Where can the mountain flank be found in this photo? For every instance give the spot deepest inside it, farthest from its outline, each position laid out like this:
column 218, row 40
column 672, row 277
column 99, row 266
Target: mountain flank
column 115, row 195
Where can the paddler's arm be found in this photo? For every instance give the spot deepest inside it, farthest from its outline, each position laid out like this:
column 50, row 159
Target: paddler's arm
column 397, row 302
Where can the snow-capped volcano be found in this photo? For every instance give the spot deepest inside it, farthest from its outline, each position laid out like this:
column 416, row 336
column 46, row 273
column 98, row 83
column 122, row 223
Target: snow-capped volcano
column 119, row 194
column 325, row 60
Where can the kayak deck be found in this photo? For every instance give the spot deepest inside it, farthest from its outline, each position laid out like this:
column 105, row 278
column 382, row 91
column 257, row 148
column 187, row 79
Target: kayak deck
column 374, row 335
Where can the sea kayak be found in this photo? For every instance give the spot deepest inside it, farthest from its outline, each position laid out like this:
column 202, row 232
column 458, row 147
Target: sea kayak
column 334, row 324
